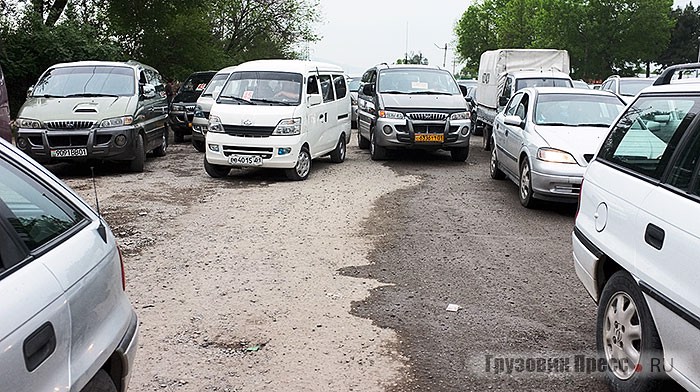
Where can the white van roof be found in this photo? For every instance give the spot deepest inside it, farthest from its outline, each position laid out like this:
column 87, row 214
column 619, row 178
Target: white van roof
column 227, row 70
column 299, row 66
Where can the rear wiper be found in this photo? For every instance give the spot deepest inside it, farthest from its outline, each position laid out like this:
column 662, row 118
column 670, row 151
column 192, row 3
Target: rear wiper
column 430, row 93
column 238, row 99
column 271, row 101
column 91, row 95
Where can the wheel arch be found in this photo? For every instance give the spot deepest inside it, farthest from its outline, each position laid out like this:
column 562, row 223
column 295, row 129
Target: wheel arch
column 605, row 269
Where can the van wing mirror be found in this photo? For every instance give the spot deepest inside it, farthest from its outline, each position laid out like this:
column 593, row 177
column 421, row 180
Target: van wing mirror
column 314, row 99
column 368, row 89
column 148, row 91
column 503, row 101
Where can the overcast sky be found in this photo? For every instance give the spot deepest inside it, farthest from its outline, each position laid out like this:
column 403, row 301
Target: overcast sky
column 359, row 34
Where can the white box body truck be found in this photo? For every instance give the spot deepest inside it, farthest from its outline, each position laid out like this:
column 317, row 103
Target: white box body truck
column 502, row 72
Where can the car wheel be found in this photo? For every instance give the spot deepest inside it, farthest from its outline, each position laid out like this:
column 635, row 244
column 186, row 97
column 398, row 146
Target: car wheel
column 216, row 171
column 100, row 383
column 361, row 141
column 303, row 167
column 137, row 164
column 377, row 153
column 525, row 185
column 486, row 137
column 627, row 338
column 495, row 172
column 338, row 155
column 198, row 145
column 162, row 150
column 459, row 154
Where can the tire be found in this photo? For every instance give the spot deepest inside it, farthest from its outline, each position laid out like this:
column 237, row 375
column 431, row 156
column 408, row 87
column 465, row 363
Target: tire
column 216, row 171
column 302, row 169
column 525, row 185
column 198, row 145
column 459, row 154
column 338, row 155
column 138, row 163
column 478, row 127
column 377, row 153
column 621, row 297
column 486, row 138
column 179, row 137
column 361, row 141
column 100, row 383
column 162, row 150
column 494, row 171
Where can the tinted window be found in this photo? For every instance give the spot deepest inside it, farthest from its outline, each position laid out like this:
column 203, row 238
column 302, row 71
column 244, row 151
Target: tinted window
column 215, row 85
column 35, row 214
column 312, row 87
column 340, row 87
column 272, row 88
column 101, row 80
column 417, row 81
column 541, row 82
column 326, row 89
column 645, row 137
column 577, row 110
column 195, row 83
column 682, row 170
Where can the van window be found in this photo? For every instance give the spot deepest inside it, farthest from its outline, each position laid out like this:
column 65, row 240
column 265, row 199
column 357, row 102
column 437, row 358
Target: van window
column 215, row 85
column 508, row 87
column 646, row 136
column 340, row 87
column 326, row 88
column 312, row 87
column 81, row 80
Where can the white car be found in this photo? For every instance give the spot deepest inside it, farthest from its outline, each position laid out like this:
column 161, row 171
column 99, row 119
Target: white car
column 67, row 324
column 636, row 236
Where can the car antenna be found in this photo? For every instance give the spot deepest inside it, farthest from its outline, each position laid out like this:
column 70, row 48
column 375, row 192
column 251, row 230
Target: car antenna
column 101, row 228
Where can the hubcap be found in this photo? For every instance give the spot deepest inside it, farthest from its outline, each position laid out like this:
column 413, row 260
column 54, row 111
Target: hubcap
column 303, row 164
column 371, row 143
column 525, row 182
column 622, row 335
column 342, row 149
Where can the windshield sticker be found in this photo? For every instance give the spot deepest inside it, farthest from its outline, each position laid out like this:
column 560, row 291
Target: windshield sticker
column 247, row 95
column 201, row 87
column 419, row 85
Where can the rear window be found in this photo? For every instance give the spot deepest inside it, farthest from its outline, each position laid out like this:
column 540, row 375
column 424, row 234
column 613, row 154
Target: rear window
column 646, row 135
column 630, row 88
column 542, row 82
column 86, row 81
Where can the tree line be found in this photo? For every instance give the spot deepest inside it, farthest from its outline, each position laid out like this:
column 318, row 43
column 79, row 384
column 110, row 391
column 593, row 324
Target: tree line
column 177, row 37
column 603, row 37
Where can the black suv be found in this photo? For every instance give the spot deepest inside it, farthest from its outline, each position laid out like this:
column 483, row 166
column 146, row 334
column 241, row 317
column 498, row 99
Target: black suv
column 184, row 102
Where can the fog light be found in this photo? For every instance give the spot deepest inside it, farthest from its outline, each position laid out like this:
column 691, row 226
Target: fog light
column 22, row 143
column 214, row 147
column 464, row 131
column 120, row 140
column 387, row 130
column 284, row 150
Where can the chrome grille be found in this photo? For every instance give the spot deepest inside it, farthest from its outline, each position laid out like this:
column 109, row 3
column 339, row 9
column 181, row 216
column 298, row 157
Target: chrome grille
column 78, row 124
column 427, row 116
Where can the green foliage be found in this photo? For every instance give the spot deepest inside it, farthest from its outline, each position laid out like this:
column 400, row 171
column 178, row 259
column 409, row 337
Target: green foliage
column 413, row 58
column 683, row 47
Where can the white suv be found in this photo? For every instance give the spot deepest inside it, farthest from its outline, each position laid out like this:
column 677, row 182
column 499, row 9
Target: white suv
column 636, row 236
column 67, row 323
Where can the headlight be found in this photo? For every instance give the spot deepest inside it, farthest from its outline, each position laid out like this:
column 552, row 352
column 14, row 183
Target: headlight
column 391, row 115
column 215, row 125
column 554, row 155
column 288, row 127
column 28, row 123
column 178, row 108
column 198, row 112
column 117, row 122
column 460, row 116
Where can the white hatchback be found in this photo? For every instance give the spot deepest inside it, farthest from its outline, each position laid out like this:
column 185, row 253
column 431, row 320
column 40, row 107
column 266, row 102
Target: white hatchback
column 67, row 323
column 636, row 234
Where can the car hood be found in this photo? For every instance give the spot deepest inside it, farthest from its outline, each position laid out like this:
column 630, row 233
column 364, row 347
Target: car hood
column 578, row 141
column 186, row 97
column 252, row 115
column 78, row 108
column 423, row 101
column 205, row 103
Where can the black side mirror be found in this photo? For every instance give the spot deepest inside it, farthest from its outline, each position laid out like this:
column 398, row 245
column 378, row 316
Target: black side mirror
column 503, row 101
column 368, row 89
column 469, row 99
column 464, row 90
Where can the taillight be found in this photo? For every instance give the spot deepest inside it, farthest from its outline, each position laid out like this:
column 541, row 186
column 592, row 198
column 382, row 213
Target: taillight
column 578, row 207
column 121, row 263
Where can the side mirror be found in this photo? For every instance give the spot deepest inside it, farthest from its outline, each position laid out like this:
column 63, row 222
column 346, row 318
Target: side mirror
column 469, row 99
column 503, row 101
column 30, row 90
column 148, row 91
column 464, row 90
column 368, row 89
column 514, row 121
column 314, row 99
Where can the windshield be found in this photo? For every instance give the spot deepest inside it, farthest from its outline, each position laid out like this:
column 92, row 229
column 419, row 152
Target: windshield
column 577, row 110
column 215, row 85
column 632, row 87
column 354, row 85
column 195, row 83
column 271, row 88
column 542, row 82
column 417, row 81
column 86, row 81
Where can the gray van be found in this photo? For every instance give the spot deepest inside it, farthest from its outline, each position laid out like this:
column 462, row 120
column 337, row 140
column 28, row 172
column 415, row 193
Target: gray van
column 412, row 106
column 5, row 131
column 95, row 110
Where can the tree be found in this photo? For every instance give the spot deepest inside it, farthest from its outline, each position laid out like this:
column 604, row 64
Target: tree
column 683, row 45
column 413, row 58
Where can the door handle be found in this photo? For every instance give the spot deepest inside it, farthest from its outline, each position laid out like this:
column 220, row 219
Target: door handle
column 654, row 236
column 39, row 346
column 506, row 131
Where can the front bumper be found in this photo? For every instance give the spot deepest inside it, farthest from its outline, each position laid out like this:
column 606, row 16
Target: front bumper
column 200, row 126
column 268, row 148
column 181, row 121
column 99, row 142
column 402, row 133
column 559, row 181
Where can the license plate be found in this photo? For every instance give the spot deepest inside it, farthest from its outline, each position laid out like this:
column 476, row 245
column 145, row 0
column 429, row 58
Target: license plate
column 69, row 152
column 245, row 160
column 430, row 137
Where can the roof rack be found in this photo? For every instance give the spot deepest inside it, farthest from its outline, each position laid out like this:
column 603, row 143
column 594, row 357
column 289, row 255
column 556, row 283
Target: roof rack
column 667, row 75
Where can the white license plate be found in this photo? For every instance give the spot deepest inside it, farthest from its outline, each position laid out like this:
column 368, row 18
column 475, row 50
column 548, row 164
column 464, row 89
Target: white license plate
column 245, row 160
column 69, row 152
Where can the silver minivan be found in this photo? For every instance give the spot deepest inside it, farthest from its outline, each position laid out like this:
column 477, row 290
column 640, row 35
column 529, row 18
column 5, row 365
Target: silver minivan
column 67, row 323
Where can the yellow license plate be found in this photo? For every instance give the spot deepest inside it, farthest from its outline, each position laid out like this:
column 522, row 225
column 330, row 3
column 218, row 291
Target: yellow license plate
column 430, row 137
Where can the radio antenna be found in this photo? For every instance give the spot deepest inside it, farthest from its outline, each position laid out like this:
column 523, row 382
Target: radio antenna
column 101, row 228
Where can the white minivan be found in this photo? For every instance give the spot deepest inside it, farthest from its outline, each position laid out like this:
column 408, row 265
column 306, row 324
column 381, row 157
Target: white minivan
column 278, row 114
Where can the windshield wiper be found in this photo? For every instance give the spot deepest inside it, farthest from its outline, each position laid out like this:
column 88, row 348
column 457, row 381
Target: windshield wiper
column 394, row 92
column 91, row 95
column 556, row 124
column 429, row 93
column 47, row 96
column 594, row 125
column 238, row 99
column 271, row 101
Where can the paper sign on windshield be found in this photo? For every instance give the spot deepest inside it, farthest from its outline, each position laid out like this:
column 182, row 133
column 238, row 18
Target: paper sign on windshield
column 419, row 85
column 201, row 87
column 247, row 95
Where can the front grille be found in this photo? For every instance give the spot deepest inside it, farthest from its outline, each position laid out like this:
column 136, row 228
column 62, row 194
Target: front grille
column 190, row 108
column 588, row 157
column 68, row 140
column 78, row 124
column 244, row 131
column 427, row 116
column 427, row 128
column 265, row 152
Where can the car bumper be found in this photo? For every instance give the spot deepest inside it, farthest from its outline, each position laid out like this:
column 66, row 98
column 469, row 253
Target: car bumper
column 557, row 180
column 401, row 134
column 127, row 350
column 100, row 143
column 585, row 264
column 181, row 121
column 199, row 128
column 219, row 147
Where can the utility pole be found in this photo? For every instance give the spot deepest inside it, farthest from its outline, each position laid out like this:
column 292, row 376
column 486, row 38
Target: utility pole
column 444, row 57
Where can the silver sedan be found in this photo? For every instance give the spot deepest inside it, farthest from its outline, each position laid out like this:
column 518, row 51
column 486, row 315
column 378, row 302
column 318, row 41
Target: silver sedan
column 546, row 136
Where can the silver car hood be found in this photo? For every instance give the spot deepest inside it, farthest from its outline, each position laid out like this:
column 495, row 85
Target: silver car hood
column 423, row 101
column 576, row 140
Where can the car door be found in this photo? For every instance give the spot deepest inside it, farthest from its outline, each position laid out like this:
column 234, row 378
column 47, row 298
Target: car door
column 366, row 105
column 157, row 108
column 516, row 135
column 502, row 132
column 328, row 116
column 314, row 113
column 343, row 109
